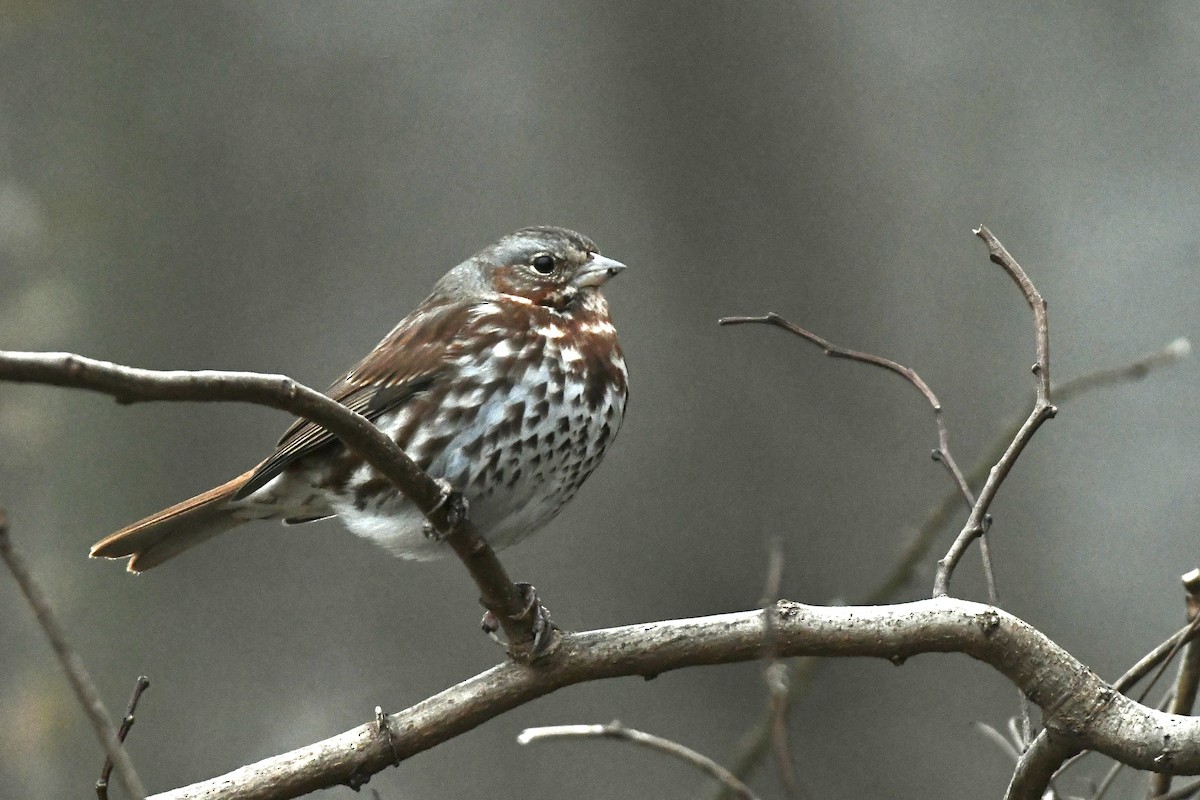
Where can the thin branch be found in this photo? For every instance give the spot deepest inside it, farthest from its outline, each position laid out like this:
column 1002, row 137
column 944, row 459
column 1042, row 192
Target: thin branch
column 615, row 730
column 1189, row 672
column 1161, row 654
column 1169, row 657
column 143, row 683
column 1073, row 699
column 72, row 664
column 131, row 385
column 941, row 453
column 1043, row 410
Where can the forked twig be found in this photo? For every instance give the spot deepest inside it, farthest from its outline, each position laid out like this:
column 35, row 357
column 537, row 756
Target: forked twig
column 1043, row 410
column 72, row 664
column 615, row 730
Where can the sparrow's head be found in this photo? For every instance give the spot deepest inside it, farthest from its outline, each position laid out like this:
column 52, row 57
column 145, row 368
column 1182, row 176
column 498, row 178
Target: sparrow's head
column 545, row 266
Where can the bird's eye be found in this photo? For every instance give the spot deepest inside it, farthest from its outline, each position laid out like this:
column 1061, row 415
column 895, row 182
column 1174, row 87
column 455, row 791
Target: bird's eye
column 543, row 264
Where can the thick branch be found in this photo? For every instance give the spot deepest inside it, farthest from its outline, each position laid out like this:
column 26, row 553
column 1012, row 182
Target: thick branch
column 131, row 385
column 1049, row 754
column 1076, row 703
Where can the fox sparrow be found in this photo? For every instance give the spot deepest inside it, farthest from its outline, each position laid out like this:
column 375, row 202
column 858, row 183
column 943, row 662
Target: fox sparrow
column 507, row 382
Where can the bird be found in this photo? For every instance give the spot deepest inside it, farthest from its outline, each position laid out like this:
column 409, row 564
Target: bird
column 507, row 383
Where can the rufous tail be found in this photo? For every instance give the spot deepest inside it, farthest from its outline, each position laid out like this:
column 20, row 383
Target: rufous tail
column 168, row 533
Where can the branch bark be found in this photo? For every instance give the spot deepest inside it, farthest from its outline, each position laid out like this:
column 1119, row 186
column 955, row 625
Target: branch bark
column 1077, row 705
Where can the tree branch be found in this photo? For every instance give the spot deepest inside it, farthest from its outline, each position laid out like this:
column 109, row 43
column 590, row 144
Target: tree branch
column 132, row 385
column 1050, row 753
column 1076, row 704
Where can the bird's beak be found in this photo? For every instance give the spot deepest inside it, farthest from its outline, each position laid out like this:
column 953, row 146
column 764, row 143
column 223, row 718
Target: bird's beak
column 596, row 271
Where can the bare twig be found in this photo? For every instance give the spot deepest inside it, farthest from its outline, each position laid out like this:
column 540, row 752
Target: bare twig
column 72, row 664
column 1043, row 410
column 131, row 385
column 143, row 683
column 1073, row 699
column 941, row 453
column 615, row 730
column 1188, row 676
column 1161, row 654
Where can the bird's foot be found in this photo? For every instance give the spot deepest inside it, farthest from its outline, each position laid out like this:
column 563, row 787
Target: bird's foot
column 456, row 507
column 542, row 628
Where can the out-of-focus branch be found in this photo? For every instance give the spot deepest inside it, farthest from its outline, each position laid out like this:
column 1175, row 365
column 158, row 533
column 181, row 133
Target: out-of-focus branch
column 1074, row 700
column 72, row 664
column 976, row 523
column 1188, row 676
column 131, row 385
column 615, row 730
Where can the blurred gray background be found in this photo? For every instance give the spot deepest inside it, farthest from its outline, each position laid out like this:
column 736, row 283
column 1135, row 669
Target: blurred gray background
column 272, row 185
